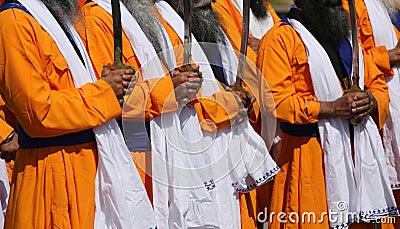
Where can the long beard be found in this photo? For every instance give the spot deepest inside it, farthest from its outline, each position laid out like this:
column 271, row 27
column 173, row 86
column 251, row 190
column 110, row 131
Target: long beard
column 64, row 10
column 141, row 10
column 258, row 8
column 326, row 19
column 206, row 26
column 391, row 6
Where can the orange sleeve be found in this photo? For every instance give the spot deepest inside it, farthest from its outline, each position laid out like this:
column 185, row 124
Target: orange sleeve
column 5, row 127
column 375, row 82
column 28, row 83
column 149, row 98
column 220, row 109
column 380, row 56
column 283, row 62
column 162, row 101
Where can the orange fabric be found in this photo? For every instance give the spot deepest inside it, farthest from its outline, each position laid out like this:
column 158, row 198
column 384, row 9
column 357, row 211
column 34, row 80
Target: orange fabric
column 300, row 186
column 220, row 108
column 5, row 128
column 379, row 54
column 51, row 187
column 231, row 21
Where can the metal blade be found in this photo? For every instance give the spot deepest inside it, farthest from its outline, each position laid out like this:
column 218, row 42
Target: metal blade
column 117, row 26
column 187, row 43
column 354, row 40
column 244, row 42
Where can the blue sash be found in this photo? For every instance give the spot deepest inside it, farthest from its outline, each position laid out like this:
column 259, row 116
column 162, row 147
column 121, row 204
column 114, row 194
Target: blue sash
column 396, row 20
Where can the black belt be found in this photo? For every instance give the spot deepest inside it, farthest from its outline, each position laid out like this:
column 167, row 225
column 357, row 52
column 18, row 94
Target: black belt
column 306, row 130
column 26, row 141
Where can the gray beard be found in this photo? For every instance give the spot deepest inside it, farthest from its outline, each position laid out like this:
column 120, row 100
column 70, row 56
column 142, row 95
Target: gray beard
column 148, row 22
column 391, row 6
column 206, row 26
column 63, row 10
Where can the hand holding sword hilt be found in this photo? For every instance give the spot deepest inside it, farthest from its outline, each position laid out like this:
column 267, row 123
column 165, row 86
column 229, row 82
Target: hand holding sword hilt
column 128, row 83
column 190, row 99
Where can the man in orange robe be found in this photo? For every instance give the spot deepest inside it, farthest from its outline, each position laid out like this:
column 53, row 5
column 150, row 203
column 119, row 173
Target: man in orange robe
column 300, row 186
column 150, row 98
column 384, row 58
column 54, row 174
column 262, row 18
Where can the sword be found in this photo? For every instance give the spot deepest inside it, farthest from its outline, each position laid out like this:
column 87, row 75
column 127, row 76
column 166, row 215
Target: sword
column 354, row 77
column 117, row 28
column 243, row 52
column 187, row 46
column 243, row 45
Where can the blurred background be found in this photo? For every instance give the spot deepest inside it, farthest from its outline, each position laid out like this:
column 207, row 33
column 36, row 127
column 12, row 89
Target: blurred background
column 281, row 6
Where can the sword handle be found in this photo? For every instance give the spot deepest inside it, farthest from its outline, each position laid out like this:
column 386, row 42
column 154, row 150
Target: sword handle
column 353, row 87
column 189, row 101
column 119, row 65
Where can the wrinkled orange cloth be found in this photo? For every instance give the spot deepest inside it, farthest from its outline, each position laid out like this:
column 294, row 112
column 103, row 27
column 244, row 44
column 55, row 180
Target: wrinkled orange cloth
column 5, row 126
column 230, row 20
column 300, row 186
column 52, row 187
column 379, row 54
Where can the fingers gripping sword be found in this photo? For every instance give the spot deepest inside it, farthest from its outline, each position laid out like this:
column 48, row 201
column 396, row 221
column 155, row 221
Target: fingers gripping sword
column 354, row 77
column 117, row 28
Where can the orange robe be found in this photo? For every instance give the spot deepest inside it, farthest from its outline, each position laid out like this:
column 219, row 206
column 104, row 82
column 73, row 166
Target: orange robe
column 379, row 54
column 52, row 187
column 7, row 125
column 300, row 186
column 230, row 20
column 149, row 98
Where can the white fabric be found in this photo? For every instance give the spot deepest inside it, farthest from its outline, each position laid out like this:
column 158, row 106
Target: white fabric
column 197, row 174
column 364, row 187
column 4, row 191
column 258, row 26
column 121, row 200
column 384, row 35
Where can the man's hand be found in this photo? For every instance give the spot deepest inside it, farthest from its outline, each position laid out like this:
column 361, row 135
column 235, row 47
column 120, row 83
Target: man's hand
column 245, row 97
column 351, row 105
column 119, row 80
column 253, row 43
column 394, row 55
column 186, row 84
column 9, row 149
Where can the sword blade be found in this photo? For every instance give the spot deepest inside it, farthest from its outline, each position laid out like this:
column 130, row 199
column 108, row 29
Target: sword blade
column 187, row 43
column 354, row 40
column 117, row 27
column 244, row 43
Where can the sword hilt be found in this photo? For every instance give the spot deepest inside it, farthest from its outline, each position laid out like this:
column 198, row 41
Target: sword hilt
column 353, row 86
column 191, row 99
column 119, row 65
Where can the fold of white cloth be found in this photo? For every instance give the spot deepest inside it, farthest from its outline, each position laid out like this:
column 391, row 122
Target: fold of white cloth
column 384, row 35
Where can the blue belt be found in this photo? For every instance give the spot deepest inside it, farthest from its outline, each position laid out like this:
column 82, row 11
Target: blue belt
column 306, row 130
column 27, row 142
